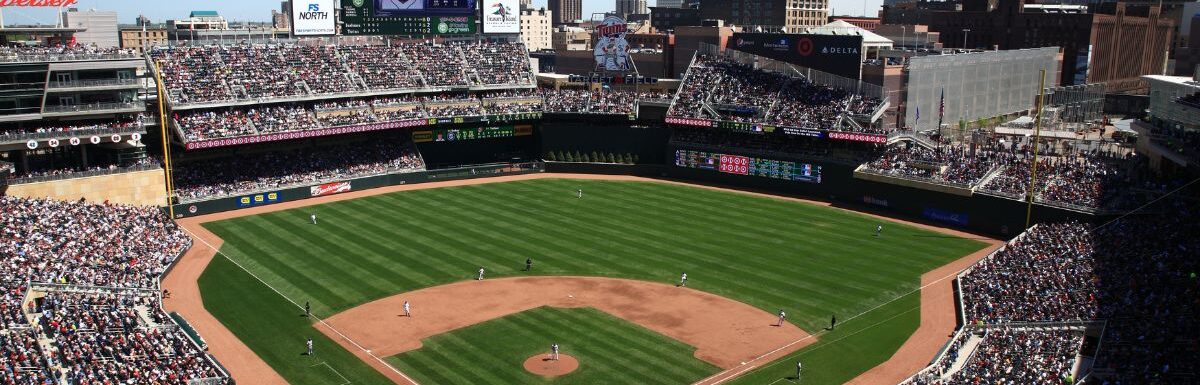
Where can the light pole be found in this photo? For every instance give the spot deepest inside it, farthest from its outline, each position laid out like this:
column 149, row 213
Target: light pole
column 966, row 31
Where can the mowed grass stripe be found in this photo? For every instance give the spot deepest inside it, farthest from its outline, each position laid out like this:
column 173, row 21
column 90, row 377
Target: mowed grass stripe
column 812, row 261
column 610, row 351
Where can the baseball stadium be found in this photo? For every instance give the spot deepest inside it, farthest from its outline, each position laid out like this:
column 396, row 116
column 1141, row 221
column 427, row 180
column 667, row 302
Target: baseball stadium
column 423, row 192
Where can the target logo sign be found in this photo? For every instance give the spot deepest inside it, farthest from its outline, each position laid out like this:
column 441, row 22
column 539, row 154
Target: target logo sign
column 804, row 46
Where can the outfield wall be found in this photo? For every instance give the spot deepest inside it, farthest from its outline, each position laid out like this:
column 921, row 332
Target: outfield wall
column 269, row 197
column 979, row 213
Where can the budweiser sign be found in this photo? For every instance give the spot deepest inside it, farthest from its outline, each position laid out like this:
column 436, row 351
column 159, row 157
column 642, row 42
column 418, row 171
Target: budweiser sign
column 329, row 188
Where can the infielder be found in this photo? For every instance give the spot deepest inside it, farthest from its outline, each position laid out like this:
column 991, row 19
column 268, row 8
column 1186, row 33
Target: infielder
column 798, row 367
column 407, row 311
column 554, row 352
column 309, row 345
column 528, row 264
column 480, row 276
column 314, row 218
column 878, row 229
column 782, row 316
column 683, row 280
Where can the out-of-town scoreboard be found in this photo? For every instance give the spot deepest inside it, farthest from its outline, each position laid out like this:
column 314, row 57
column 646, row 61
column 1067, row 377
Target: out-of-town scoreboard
column 408, row 17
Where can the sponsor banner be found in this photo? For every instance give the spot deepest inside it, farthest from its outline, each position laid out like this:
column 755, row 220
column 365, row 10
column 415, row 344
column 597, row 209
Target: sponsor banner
column 857, row 137
column 312, row 17
column 875, row 201
column 258, row 199
column 501, row 16
column 945, row 216
column 329, row 188
column 811, row 132
column 196, row 145
column 836, row 54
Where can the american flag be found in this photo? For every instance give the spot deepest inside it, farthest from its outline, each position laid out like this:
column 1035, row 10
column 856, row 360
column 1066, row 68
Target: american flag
column 942, row 105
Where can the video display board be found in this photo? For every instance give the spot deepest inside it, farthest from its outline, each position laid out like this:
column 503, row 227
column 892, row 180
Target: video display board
column 838, row 55
column 749, row 165
column 408, row 17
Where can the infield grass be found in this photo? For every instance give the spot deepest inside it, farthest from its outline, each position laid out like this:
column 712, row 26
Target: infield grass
column 608, row 349
column 811, row 260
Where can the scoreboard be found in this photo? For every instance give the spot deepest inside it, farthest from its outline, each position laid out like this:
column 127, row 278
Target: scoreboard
column 749, row 165
column 408, row 17
column 471, row 133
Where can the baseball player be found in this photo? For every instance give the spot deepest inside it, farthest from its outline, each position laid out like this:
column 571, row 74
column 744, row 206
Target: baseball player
column 309, row 345
column 832, row 321
column 878, row 229
column 782, row 316
column 407, row 311
column 798, row 367
column 307, row 310
column 480, row 276
column 313, row 217
column 554, row 352
column 579, row 193
column 683, row 280
column 528, row 264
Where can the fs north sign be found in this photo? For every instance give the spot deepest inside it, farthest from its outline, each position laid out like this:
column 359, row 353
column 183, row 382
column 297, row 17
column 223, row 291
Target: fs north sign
column 312, row 17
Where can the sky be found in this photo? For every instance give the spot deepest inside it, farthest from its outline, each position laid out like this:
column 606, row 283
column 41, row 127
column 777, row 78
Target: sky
column 260, row 10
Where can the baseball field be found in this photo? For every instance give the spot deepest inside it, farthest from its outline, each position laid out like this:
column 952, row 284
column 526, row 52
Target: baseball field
column 606, row 265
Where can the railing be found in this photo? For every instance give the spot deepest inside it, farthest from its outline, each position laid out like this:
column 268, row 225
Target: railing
column 73, row 288
column 29, row 58
column 82, row 174
column 93, row 83
column 89, row 107
column 72, row 133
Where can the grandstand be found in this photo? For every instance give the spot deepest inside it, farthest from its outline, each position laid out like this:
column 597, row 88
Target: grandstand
column 1099, row 289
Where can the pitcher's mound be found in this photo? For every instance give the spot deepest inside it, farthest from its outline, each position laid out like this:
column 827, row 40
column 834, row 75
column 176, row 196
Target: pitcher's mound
column 542, row 365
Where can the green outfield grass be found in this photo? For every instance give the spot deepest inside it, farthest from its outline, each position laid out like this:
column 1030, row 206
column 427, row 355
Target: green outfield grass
column 811, row 260
column 607, row 348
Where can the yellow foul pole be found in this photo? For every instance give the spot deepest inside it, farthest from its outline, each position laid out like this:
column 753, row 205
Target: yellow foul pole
column 1037, row 137
column 162, row 125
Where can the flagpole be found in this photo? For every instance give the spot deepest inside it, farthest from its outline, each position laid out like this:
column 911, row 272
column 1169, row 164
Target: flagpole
column 1037, row 136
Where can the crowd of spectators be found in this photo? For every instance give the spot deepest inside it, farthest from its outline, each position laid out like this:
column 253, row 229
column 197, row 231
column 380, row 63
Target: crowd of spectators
column 1084, row 179
column 72, row 127
column 214, row 73
column 116, row 254
column 1022, row 356
column 601, row 101
column 1138, row 273
column 721, row 88
column 245, row 121
column 951, row 164
column 60, row 52
column 205, row 179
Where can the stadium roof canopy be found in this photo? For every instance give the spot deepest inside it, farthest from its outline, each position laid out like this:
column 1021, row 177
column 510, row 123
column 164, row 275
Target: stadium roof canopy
column 203, row 14
column 842, row 28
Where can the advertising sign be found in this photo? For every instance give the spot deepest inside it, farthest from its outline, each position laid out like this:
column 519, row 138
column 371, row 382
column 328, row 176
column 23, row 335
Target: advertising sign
column 501, row 16
column 313, row 17
column 258, row 199
column 409, row 17
column 838, row 55
column 329, row 188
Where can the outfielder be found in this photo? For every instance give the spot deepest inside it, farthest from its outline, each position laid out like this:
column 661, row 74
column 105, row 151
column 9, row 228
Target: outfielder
column 407, row 311
column 309, row 345
column 798, row 367
column 683, row 280
column 314, row 218
column 480, row 276
column 579, row 193
column 878, row 229
column 307, row 310
column 554, row 352
column 782, row 316
column 528, row 264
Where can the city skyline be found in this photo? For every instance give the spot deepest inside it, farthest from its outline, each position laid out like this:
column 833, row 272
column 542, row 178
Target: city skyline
column 260, row 11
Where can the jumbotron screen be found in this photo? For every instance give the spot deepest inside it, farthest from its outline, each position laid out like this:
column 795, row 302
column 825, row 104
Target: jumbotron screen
column 749, row 165
column 408, row 17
